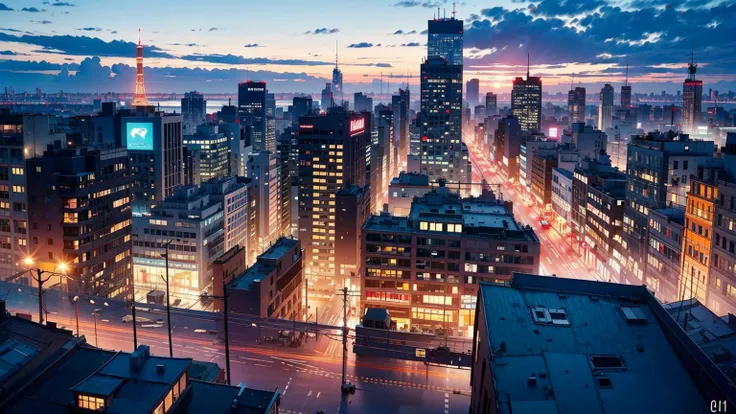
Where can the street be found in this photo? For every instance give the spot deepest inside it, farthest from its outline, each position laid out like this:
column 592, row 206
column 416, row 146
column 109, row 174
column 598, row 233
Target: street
column 308, row 376
column 557, row 257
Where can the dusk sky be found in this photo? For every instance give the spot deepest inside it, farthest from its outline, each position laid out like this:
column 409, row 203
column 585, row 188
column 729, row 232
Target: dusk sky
column 82, row 45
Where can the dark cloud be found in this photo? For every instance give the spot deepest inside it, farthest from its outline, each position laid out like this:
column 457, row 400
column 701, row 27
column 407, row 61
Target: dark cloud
column 3, row 7
column 252, row 45
column 401, row 32
column 398, row 32
column 361, row 45
column 567, row 8
column 41, row 21
column 62, row 4
column 322, row 31
column 424, row 32
column 242, row 60
column 32, row 10
column 414, row 3
column 8, row 53
column 215, row 29
column 186, row 44
column 411, row 44
column 21, row 65
column 90, row 29
column 83, row 45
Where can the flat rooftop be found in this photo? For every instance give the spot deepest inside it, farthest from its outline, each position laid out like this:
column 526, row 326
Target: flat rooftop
column 280, row 248
column 600, row 348
column 254, row 274
column 418, row 180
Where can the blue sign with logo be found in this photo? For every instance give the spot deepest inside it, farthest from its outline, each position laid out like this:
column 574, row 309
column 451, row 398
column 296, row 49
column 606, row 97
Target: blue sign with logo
column 139, row 136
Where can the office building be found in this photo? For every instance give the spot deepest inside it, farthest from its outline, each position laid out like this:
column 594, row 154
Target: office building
column 541, row 182
column 442, row 150
column 333, row 153
column 491, row 104
column 658, row 170
column 536, row 145
column 401, row 121
column 328, row 99
column 56, row 372
column 288, row 185
column 425, row 268
column 209, row 149
column 588, row 140
column 507, row 147
column 472, row 92
column 626, row 95
column 663, row 264
column 403, row 189
column 235, row 195
column 445, row 40
column 362, row 102
column 273, row 286
column 605, row 109
column 352, row 205
column 692, row 100
column 252, row 114
column 155, row 143
column 264, row 168
column 337, row 90
column 576, row 105
column 73, row 194
column 522, row 364
column 190, row 223
column 526, row 102
column 301, row 106
column 562, row 200
column 193, row 111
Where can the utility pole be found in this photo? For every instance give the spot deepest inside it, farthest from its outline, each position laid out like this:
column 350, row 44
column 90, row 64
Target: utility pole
column 344, row 332
column 168, row 303
column 135, row 327
column 306, row 299
column 40, row 296
column 227, row 335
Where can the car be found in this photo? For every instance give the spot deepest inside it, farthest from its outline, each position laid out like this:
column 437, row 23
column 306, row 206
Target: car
column 348, row 388
column 545, row 224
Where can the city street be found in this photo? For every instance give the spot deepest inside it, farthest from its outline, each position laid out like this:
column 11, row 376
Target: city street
column 308, row 376
column 557, row 257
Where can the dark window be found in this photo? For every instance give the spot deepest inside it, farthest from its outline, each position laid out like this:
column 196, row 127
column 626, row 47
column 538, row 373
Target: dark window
column 606, row 362
column 50, row 242
column 604, row 382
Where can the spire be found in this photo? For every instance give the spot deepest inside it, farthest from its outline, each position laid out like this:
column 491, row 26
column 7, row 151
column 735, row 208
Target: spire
column 139, row 37
column 692, row 67
column 140, row 89
column 626, row 83
column 336, row 65
column 528, row 60
column 572, row 81
column 453, row 9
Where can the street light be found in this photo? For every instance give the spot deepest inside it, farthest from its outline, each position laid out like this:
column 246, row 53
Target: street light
column 96, row 314
column 76, row 306
column 168, row 303
column 29, row 261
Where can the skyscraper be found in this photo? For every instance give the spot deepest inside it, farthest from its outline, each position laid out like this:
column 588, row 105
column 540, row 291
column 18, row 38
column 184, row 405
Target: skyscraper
column 362, row 102
column 576, row 105
column 526, row 102
column 140, row 88
column 337, row 82
column 605, row 109
column 472, row 92
column 692, row 99
column 328, row 98
column 626, row 91
column 442, row 152
column 491, row 104
column 194, row 111
column 445, row 39
column 400, row 107
column 332, row 156
column 252, row 113
column 300, row 106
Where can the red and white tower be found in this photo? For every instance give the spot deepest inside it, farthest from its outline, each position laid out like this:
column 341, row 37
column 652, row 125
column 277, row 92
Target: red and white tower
column 140, row 89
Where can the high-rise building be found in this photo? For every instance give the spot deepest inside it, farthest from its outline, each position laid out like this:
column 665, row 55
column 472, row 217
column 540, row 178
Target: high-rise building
column 288, row 185
column 337, row 90
column 264, row 168
column 333, row 151
column 588, row 140
column 155, row 144
column 445, row 39
column 626, row 91
column 401, row 118
column 211, row 148
column 234, row 193
column 73, row 194
column 692, row 100
column 663, row 262
column 252, row 113
column 442, row 150
column 301, row 106
column 491, row 104
column 194, row 111
column 507, row 147
column 472, row 92
column 328, row 98
column 658, row 176
column 437, row 257
column 362, row 102
column 526, row 102
column 140, row 87
column 576, row 105
column 605, row 109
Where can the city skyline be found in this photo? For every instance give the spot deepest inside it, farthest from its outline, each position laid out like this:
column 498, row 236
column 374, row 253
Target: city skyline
column 83, row 46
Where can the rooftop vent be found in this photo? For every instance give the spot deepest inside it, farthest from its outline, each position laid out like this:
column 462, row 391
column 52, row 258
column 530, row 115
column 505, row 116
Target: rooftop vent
column 138, row 357
column 604, row 382
column 532, row 381
column 634, row 315
column 544, row 316
column 607, row 362
column 160, row 369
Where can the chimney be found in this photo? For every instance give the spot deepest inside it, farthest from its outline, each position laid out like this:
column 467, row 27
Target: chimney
column 138, row 357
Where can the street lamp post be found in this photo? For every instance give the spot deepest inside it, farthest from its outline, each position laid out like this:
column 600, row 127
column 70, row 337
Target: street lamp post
column 76, row 308
column 94, row 316
column 28, row 261
column 168, row 303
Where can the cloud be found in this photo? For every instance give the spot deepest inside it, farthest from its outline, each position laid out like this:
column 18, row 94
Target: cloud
column 7, row 53
column 426, row 4
column 251, row 45
column 215, row 29
column 322, row 30
column 401, row 32
column 62, row 4
column 230, row 59
column 90, row 29
column 361, row 45
column 3, row 7
column 82, row 45
column 186, row 44
column 411, row 44
column 32, row 10
column 41, row 21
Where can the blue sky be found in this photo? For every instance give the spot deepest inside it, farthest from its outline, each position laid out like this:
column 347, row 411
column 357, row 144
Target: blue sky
column 88, row 44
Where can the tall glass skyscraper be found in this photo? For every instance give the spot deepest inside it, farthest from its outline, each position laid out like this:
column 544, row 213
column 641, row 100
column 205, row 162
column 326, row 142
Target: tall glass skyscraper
column 445, row 39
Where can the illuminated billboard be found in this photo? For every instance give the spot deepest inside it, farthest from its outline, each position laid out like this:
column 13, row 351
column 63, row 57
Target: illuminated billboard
column 139, row 136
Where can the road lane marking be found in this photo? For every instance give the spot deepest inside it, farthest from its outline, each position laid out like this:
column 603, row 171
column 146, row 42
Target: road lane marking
column 550, row 261
column 318, row 393
column 309, row 394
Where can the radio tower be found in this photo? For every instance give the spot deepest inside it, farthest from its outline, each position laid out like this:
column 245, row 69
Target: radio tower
column 140, row 89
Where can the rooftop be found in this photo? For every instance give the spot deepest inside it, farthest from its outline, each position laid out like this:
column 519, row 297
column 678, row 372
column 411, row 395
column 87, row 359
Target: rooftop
column 278, row 249
column 576, row 346
column 414, row 179
column 673, row 214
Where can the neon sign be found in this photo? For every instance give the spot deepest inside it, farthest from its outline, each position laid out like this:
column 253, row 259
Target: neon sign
column 357, row 125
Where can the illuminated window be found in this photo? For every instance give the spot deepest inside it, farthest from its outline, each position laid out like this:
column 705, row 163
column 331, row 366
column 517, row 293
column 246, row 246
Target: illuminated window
column 91, row 403
column 423, row 225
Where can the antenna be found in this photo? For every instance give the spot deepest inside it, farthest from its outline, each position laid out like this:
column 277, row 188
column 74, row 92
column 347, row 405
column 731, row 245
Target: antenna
column 335, row 54
column 572, row 81
column 692, row 67
column 528, row 60
column 627, row 74
column 139, row 36
column 453, row 9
